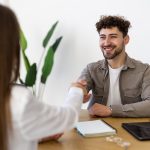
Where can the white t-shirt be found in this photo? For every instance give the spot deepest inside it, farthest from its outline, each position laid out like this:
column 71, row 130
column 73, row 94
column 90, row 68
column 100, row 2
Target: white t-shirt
column 33, row 120
column 114, row 91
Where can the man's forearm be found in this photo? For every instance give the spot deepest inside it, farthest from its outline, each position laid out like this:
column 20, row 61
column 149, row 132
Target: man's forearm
column 139, row 109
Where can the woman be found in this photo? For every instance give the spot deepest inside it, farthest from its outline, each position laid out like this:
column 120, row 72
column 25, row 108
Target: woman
column 23, row 119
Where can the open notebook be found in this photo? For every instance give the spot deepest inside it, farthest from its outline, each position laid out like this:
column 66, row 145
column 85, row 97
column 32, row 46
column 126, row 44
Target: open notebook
column 95, row 128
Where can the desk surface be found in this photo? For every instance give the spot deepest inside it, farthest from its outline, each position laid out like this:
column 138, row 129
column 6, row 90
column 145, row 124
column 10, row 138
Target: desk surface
column 73, row 141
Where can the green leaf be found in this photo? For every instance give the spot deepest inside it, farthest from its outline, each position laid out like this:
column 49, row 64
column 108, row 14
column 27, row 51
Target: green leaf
column 23, row 44
column 23, row 41
column 26, row 61
column 31, row 75
column 21, row 81
column 49, row 60
column 48, row 64
column 56, row 43
column 49, row 34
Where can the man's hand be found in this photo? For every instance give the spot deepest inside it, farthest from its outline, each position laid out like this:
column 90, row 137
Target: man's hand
column 86, row 97
column 100, row 110
column 53, row 137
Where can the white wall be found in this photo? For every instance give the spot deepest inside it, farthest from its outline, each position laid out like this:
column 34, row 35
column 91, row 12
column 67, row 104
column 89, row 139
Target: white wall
column 79, row 46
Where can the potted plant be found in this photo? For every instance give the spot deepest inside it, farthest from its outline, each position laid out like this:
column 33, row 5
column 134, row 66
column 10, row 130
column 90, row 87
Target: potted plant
column 33, row 69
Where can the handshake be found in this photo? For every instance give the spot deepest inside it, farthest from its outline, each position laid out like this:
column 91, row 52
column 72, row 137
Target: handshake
column 82, row 84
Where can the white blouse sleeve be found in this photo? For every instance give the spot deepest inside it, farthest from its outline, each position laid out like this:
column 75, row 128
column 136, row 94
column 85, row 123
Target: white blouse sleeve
column 37, row 120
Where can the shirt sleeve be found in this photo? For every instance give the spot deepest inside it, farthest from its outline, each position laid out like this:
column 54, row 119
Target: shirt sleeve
column 38, row 120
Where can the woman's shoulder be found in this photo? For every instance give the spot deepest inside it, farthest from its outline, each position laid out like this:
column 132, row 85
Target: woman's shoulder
column 20, row 90
column 20, row 97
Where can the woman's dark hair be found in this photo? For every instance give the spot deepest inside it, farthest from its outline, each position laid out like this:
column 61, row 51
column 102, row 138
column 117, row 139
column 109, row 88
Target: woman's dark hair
column 113, row 21
column 9, row 67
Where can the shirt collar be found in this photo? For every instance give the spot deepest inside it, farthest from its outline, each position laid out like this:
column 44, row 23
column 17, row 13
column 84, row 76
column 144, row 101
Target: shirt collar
column 128, row 63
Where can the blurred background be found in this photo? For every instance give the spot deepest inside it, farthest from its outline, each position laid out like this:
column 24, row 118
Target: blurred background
column 80, row 43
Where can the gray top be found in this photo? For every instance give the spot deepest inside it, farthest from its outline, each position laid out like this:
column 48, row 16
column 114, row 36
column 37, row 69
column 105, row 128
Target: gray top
column 134, row 86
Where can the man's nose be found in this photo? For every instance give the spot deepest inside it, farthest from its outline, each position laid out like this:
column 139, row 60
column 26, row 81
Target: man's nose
column 107, row 41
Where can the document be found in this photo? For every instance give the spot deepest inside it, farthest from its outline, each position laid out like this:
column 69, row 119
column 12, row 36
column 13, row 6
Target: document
column 95, row 128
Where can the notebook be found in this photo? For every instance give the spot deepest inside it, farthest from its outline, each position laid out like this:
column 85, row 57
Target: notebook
column 95, row 128
column 140, row 130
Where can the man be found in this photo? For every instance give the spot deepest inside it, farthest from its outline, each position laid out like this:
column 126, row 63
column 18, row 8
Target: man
column 120, row 85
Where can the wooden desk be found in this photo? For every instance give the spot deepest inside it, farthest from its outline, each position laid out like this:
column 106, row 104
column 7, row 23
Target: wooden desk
column 73, row 141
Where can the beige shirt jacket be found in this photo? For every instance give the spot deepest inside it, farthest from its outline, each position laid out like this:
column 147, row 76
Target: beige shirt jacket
column 134, row 86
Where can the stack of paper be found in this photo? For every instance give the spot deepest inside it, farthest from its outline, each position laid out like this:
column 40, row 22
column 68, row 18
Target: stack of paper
column 95, row 128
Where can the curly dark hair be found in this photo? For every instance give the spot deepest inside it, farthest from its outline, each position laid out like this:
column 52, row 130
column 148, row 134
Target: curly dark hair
column 113, row 21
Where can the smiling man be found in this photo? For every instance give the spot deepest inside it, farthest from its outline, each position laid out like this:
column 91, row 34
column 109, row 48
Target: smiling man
column 120, row 85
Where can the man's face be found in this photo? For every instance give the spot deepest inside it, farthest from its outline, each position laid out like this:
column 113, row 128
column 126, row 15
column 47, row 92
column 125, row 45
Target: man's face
column 112, row 42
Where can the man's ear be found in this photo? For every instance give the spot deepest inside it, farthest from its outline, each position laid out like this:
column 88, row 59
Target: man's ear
column 126, row 39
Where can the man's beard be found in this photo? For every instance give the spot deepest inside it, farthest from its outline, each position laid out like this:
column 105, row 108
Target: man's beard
column 115, row 54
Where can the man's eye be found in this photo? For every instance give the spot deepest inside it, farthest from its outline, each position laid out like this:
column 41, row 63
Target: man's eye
column 113, row 37
column 102, row 37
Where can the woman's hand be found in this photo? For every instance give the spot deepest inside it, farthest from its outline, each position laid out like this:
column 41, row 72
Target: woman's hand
column 82, row 84
column 53, row 137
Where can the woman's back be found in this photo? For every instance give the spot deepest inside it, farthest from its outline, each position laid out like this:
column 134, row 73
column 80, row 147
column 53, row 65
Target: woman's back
column 33, row 120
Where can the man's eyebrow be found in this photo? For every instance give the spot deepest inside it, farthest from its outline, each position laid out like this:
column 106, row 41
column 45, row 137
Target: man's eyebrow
column 102, row 35
column 113, row 34
column 109, row 34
